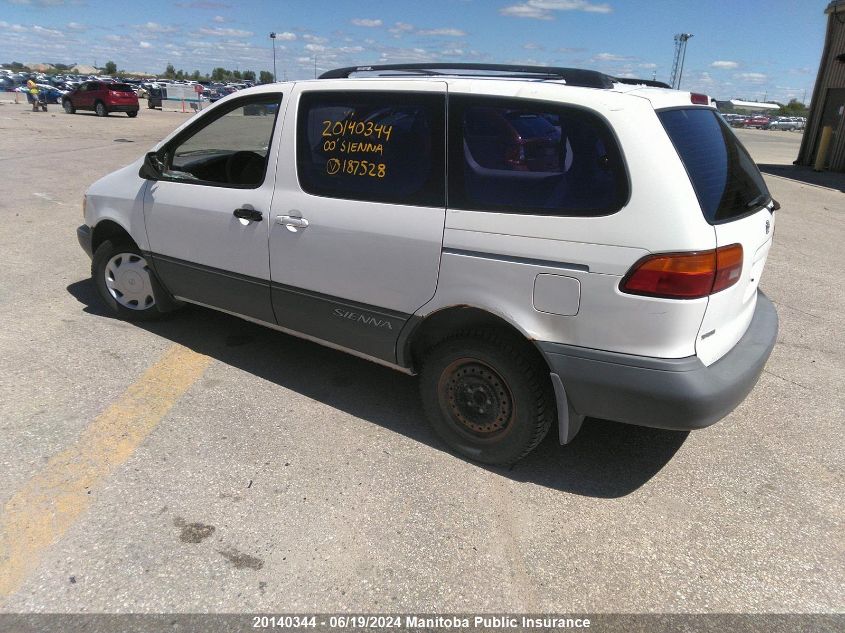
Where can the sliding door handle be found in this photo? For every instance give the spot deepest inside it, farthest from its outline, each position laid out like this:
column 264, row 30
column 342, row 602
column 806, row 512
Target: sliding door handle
column 291, row 222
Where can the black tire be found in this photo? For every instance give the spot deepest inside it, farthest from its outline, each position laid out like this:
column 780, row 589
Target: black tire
column 102, row 256
column 132, row 114
column 68, row 106
column 150, row 105
column 487, row 396
column 101, row 109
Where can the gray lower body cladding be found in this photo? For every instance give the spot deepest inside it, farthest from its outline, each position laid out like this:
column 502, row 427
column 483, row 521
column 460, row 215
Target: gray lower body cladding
column 679, row 394
column 85, row 236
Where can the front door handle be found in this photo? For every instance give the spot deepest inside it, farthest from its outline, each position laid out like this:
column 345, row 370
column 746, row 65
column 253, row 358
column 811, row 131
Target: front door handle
column 248, row 214
column 292, row 222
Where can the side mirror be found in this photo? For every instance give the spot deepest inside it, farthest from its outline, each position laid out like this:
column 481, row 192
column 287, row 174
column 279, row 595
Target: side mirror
column 153, row 168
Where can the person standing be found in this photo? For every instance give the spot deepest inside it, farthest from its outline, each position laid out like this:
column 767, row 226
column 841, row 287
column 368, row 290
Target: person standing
column 32, row 92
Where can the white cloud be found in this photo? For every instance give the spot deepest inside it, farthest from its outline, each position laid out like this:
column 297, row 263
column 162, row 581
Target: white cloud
column 315, row 48
column 366, row 22
column 220, row 32
column 543, row 9
column 76, row 26
column 40, row 30
column 399, row 28
column 754, row 78
column 648, row 65
column 724, row 64
column 39, row 3
column 445, row 32
column 611, row 57
column 155, row 27
column 287, row 36
column 143, row 44
column 219, row 19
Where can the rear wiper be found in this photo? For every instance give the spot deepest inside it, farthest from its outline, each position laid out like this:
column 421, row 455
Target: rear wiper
column 758, row 201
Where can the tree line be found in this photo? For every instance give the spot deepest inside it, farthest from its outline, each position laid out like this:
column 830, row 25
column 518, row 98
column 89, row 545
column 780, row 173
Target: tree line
column 218, row 74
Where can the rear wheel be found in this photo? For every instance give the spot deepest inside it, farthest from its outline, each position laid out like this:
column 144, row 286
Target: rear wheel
column 125, row 281
column 100, row 109
column 68, row 106
column 487, row 396
column 132, row 114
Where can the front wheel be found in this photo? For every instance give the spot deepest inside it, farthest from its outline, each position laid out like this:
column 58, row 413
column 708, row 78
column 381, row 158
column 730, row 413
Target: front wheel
column 124, row 281
column 100, row 109
column 487, row 396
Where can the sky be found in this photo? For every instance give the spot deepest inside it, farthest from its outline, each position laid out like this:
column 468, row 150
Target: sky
column 751, row 49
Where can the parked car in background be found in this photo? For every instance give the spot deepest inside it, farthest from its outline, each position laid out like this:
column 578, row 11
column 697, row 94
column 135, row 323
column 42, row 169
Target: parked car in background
column 103, row 98
column 154, row 96
column 785, row 123
column 758, row 120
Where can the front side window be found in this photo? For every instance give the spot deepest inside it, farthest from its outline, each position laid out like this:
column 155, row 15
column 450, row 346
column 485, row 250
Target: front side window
column 382, row 147
column 520, row 156
column 231, row 149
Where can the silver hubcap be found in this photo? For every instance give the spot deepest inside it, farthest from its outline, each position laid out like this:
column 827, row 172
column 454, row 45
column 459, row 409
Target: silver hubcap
column 128, row 281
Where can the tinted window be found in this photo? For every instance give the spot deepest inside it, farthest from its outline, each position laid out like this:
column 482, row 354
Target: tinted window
column 121, row 87
column 522, row 156
column 384, row 147
column 230, row 149
column 726, row 180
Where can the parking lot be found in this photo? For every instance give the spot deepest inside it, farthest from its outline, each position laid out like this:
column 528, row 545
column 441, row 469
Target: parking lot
column 272, row 474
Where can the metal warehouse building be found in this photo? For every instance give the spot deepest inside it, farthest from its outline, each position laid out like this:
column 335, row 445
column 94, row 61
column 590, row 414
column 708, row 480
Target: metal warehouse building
column 826, row 124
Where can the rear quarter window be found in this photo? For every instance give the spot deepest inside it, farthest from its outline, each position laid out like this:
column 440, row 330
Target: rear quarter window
column 725, row 178
column 521, row 156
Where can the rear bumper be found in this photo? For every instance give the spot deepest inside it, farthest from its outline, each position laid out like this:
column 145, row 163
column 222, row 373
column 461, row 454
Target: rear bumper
column 84, row 235
column 122, row 108
column 679, row 394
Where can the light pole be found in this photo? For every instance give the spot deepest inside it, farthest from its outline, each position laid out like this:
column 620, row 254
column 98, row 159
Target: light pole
column 273, row 38
column 684, row 38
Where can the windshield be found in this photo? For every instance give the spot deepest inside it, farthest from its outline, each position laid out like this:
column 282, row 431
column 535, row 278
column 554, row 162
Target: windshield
column 120, row 87
column 726, row 180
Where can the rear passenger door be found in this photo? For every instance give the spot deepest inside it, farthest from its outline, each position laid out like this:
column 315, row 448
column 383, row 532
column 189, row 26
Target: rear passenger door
column 83, row 95
column 358, row 215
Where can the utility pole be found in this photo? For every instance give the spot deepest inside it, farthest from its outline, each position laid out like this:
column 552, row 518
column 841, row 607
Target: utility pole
column 681, row 40
column 273, row 39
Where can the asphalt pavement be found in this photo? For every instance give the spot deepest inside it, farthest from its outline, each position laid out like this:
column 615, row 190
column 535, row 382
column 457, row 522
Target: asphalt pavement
column 206, row 464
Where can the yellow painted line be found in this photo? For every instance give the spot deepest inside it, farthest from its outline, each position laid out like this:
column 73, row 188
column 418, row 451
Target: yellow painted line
column 41, row 512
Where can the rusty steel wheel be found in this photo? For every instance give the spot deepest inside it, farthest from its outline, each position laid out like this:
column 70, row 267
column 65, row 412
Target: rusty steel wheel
column 476, row 398
column 487, row 394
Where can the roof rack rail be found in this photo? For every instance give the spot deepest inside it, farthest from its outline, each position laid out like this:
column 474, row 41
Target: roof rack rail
column 572, row 76
column 641, row 82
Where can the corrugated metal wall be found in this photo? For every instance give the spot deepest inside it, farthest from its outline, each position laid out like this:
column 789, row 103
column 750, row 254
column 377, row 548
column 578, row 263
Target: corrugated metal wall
column 831, row 75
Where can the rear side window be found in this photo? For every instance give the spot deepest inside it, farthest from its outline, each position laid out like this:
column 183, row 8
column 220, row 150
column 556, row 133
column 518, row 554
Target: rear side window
column 382, row 147
column 519, row 156
column 726, row 180
column 120, row 88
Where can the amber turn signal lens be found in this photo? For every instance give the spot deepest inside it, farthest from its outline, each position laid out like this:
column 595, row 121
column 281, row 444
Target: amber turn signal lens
column 728, row 267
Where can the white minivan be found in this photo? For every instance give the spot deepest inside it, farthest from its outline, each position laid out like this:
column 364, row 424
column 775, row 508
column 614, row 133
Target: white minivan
column 538, row 244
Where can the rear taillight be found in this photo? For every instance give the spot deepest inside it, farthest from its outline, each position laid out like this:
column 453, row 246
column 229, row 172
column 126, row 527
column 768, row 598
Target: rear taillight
column 699, row 99
column 685, row 275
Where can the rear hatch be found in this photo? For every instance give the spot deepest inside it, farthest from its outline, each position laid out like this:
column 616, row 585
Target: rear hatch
column 122, row 94
column 736, row 202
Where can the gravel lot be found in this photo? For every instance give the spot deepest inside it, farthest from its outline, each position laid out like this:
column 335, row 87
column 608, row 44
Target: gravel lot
column 289, row 477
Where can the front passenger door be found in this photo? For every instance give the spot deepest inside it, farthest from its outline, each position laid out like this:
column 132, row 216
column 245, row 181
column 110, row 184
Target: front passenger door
column 208, row 216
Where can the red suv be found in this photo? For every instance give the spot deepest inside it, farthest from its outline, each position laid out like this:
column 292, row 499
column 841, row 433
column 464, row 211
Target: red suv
column 102, row 97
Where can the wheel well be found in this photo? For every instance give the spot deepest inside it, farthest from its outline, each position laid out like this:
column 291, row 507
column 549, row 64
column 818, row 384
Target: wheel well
column 107, row 230
column 443, row 323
